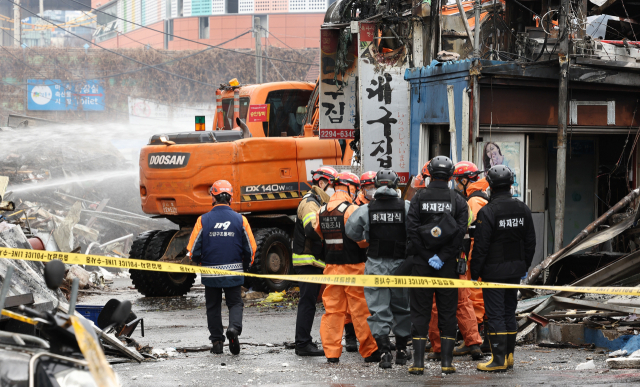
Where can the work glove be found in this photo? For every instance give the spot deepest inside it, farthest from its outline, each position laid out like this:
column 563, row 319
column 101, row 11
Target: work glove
column 525, row 276
column 435, row 262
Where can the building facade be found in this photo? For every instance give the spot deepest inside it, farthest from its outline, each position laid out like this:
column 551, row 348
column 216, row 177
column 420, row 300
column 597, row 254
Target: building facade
column 288, row 23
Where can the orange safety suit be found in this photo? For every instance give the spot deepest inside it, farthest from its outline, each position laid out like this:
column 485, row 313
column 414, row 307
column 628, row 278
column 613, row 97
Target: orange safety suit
column 470, row 311
column 340, row 300
column 475, row 204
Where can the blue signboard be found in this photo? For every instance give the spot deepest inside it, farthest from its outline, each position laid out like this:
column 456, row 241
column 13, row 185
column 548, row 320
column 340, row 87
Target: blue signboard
column 53, row 94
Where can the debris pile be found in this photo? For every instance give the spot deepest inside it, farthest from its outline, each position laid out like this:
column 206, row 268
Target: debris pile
column 577, row 320
column 78, row 197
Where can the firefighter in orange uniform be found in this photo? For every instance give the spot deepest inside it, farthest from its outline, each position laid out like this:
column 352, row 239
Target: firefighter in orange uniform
column 365, row 194
column 343, row 257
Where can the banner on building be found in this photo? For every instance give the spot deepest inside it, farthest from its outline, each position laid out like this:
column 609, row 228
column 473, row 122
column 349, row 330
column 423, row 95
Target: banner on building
column 337, row 92
column 384, row 106
column 54, row 94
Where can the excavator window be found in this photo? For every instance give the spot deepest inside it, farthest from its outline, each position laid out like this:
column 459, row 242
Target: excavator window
column 283, row 109
column 227, row 111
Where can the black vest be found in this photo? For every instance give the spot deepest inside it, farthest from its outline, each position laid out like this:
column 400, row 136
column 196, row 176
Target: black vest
column 507, row 239
column 299, row 238
column 339, row 249
column 387, row 229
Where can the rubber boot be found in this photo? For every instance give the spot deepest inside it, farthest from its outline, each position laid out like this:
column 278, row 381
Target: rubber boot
column 351, row 342
column 473, row 350
column 374, row 357
column 498, row 362
column 419, row 344
column 402, row 354
column 384, row 346
column 483, row 328
column 511, row 346
column 446, row 354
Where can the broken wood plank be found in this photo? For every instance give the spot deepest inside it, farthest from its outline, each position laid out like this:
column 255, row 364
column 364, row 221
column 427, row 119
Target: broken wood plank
column 570, row 302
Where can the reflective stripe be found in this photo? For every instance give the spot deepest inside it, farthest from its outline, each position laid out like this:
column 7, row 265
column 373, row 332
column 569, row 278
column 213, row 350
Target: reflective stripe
column 308, row 218
column 333, row 241
column 306, row 259
column 231, row 267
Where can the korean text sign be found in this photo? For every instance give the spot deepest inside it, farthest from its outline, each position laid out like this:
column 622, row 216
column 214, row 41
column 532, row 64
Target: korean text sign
column 54, row 94
column 258, row 113
column 384, row 108
column 337, row 93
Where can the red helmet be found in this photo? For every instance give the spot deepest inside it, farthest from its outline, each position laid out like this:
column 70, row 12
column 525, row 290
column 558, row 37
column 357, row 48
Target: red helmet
column 220, row 187
column 466, row 169
column 418, row 182
column 348, row 178
column 324, row 172
column 425, row 169
column 368, row 177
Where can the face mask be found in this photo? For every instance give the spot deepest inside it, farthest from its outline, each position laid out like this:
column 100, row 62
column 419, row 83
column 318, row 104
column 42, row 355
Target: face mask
column 369, row 192
column 353, row 192
column 330, row 191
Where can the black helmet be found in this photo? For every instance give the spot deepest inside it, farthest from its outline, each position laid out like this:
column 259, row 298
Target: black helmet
column 499, row 176
column 441, row 167
column 387, row 177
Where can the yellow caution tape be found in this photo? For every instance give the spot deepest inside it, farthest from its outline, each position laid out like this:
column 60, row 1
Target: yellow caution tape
column 98, row 364
column 18, row 317
column 388, row 281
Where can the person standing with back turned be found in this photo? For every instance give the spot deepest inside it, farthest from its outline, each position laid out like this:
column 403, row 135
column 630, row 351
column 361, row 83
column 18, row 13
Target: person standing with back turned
column 222, row 239
column 308, row 257
column 343, row 257
column 504, row 245
column 382, row 223
column 436, row 224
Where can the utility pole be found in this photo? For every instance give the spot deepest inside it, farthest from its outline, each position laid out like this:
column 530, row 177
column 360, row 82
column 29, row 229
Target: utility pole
column 561, row 170
column 17, row 30
column 41, row 14
column 477, row 6
column 258, row 34
column 434, row 30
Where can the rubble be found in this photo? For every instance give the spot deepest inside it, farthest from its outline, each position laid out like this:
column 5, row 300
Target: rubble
column 590, row 365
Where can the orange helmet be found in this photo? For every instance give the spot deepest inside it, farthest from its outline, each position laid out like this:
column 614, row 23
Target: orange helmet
column 466, row 169
column 418, row 182
column 368, row 177
column 425, row 169
column 348, row 178
column 324, row 172
column 220, row 187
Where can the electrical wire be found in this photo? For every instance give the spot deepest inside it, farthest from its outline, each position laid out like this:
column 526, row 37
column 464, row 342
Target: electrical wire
column 142, row 68
column 116, row 53
column 189, row 40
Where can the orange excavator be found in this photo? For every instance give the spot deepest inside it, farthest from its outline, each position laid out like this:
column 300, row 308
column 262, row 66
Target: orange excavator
column 265, row 143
